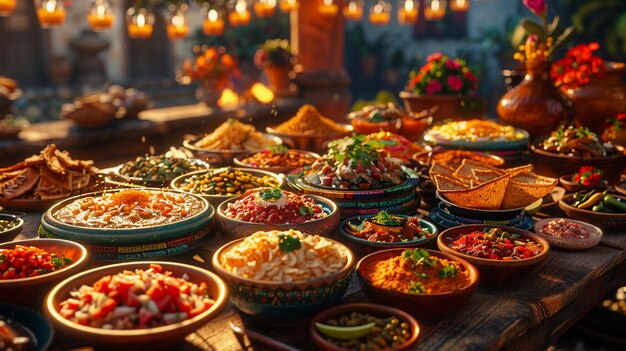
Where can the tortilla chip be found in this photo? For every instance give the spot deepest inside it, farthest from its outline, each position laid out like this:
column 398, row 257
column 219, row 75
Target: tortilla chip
column 465, row 170
column 441, row 168
column 444, row 183
column 486, row 196
column 517, row 170
column 484, row 175
column 526, row 188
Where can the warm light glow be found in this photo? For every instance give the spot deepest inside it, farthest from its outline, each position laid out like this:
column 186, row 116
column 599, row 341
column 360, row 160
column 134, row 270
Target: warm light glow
column 459, row 5
column 140, row 23
column 262, row 93
column 434, row 9
column 380, row 13
column 213, row 25
column 289, row 5
column 328, row 8
column 213, row 15
column 264, row 8
column 7, row 7
column 50, row 13
column 353, row 10
column 228, row 98
column 407, row 14
column 241, row 15
column 100, row 17
column 141, row 20
column 178, row 28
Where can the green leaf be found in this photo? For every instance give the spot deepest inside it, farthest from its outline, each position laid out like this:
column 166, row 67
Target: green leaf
column 305, row 210
column 385, row 218
column 418, row 256
column 416, row 287
column 279, row 149
column 288, row 243
column 533, row 27
column 448, row 271
column 57, row 262
column 519, row 34
column 271, row 194
column 553, row 25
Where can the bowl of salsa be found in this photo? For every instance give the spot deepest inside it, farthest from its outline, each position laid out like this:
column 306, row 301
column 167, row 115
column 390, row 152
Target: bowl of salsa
column 568, row 233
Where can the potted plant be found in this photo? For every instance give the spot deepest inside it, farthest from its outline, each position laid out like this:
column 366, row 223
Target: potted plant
column 213, row 69
column 595, row 87
column 447, row 83
column 275, row 58
column 535, row 104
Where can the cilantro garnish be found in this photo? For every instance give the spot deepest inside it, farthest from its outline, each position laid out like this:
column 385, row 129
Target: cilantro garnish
column 416, row 287
column 288, row 243
column 384, row 218
column 355, row 148
column 306, row 210
column 376, row 117
column 419, row 256
column 271, row 194
column 448, row 271
column 279, row 149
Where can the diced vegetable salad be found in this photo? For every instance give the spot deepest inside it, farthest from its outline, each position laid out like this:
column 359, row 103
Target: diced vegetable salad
column 29, row 261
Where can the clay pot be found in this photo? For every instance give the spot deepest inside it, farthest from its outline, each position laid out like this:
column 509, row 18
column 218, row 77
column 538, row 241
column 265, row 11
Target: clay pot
column 278, row 78
column 535, row 105
column 599, row 99
column 450, row 107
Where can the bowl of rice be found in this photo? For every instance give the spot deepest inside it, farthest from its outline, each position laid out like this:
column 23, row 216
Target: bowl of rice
column 284, row 277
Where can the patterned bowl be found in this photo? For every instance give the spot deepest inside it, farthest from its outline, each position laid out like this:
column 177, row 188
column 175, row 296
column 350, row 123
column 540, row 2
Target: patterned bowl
column 284, row 303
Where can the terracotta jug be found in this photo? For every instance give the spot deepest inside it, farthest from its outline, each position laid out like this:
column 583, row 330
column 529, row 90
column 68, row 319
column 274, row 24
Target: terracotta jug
column 599, row 99
column 535, row 105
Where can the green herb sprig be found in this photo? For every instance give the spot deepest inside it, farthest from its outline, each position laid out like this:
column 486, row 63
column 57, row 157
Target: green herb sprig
column 288, row 243
column 271, row 194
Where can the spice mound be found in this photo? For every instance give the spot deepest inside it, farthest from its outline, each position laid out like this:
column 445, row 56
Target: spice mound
column 308, row 120
column 234, row 135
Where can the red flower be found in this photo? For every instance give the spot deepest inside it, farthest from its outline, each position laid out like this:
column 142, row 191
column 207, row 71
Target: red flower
column 433, row 87
column 434, row 57
column 588, row 176
column 455, row 83
column 536, row 6
column 470, row 76
column 578, row 67
column 415, row 80
column 453, row 64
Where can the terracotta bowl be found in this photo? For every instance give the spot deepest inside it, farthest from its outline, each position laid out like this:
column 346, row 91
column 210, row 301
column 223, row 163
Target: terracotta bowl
column 573, row 187
column 145, row 339
column 284, row 303
column 608, row 222
column 221, row 157
column 495, row 271
column 423, row 306
column 369, row 308
column 30, row 291
column 311, row 142
column 284, row 169
column 234, row 228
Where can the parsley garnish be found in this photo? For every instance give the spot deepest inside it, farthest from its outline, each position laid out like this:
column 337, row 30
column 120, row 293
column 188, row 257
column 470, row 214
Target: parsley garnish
column 271, row 194
column 419, row 256
column 355, row 148
column 288, row 243
column 306, row 210
column 279, row 149
column 448, row 271
column 384, row 218
column 416, row 287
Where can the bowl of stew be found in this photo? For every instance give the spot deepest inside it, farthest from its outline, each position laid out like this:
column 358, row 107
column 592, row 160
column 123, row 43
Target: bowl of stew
column 500, row 253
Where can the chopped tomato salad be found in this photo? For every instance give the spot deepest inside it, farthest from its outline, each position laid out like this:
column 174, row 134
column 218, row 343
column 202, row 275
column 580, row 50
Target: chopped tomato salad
column 29, row 261
column 136, row 300
column 496, row 244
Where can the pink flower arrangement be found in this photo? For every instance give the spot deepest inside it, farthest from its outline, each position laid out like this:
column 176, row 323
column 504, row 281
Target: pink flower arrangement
column 442, row 75
column 538, row 7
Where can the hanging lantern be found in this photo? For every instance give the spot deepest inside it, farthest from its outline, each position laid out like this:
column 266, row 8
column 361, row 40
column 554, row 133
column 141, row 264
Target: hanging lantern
column 100, row 16
column 434, row 10
column 353, row 10
column 139, row 23
column 328, row 8
column 288, row 5
column 380, row 13
column 177, row 22
column 407, row 12
column 213, row 24
column 264, row 8
column 50, row 13
column 7, row 7
column 459, row 5
column 240, row 16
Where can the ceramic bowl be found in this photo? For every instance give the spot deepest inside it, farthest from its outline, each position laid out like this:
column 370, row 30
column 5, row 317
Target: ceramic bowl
column 30, row 291
column 235, row 229
column 216, row 200
column 17, row 226
column 422, row 306
column 573, row 187
column 570, row 243
column 608, row 222
column 380, row 311
column 157, row 183
column 284, row 169
column 473, row 213
column 312, row 142
column 34, row 322
column 221, row 157
column 284, row 303
column 494, row 271
column 364, row 247
column 146, row 339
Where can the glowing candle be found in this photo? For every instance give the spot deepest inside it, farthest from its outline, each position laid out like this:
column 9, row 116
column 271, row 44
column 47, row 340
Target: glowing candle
column 434, row 9
column 289, row 5
column 459, row 5
column 7, row 7
column 380, row 13
column 241, row 15
column 100, row 16
column 140, row 24
column 213, row 25
column 264, row 8
column 177, row 28
column 407, row 14
column 50, row 13
column 328, row 8
column 353, row 10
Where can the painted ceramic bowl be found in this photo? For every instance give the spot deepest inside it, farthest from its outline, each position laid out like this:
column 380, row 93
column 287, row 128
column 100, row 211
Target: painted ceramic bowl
column 284, row 303
column 146, row 339
column 31, row 322
column 493, row 270
column 30, row 291
column 423, row 306
column 364, row 247
column 234, row 228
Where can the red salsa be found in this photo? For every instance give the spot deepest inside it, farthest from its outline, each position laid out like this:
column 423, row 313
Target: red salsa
column 495, row 244
column 386, row 227
column 561, row 228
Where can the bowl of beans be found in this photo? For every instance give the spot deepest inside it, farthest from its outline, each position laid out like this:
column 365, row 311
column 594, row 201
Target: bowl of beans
column 364, row 326
column 277, row 159
column 220, row 184
column 10, row 226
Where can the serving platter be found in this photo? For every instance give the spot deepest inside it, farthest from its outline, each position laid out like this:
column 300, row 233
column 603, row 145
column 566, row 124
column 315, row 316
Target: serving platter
column 486, row 145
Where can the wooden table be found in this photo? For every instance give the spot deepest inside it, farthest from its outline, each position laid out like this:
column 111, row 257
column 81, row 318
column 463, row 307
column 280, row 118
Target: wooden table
column 530, row 313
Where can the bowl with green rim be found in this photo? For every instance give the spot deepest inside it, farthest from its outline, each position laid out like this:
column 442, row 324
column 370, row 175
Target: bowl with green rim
column 164, row 175
column 10, row 226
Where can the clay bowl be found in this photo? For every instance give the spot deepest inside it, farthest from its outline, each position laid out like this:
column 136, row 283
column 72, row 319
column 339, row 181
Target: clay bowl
column 608, row 222
column 30, row 291
column 369, row 308
column 573, row 187
column 494, row 271
column 311, row 142
column 144, row 339
column 221, row 157
column 278, row 169
column 429, row 307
